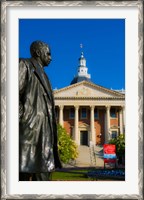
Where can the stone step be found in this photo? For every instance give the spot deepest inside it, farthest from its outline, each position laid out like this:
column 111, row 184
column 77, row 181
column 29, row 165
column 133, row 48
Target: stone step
column 90, row 156
column 84, row 156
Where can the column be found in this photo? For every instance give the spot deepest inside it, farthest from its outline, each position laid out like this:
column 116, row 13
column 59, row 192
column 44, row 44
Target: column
column 76, row 136
column 121, row 121
column 61, row 115
column 92, row 128
column 107, row 132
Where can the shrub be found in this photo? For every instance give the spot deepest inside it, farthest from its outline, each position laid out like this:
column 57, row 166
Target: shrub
column 66, row 146
column 120, row 144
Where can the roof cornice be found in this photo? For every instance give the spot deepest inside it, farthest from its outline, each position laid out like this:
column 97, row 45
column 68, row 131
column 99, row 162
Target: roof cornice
column 90, row 84
column 90, row 98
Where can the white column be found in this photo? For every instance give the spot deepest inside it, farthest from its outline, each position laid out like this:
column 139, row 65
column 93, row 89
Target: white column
column 61, row 115
column 76, row 136
column 121, row 121
column 107, row 132
column 92, row 128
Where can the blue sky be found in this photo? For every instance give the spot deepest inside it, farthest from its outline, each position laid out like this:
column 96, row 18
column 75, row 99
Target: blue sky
column 103, row 46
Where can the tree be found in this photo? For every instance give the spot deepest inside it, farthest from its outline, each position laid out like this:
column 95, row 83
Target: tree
column 120, row 146
column 68, row 149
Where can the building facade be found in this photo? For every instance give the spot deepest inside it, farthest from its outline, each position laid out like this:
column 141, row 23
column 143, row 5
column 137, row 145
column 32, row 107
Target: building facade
column 90, row 113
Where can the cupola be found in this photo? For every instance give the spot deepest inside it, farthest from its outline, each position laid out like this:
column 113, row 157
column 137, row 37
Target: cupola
column 82, row 71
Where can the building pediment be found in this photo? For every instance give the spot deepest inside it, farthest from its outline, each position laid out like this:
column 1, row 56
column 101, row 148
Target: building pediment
column 114, row 127
column 83, row 125
column 86, row 89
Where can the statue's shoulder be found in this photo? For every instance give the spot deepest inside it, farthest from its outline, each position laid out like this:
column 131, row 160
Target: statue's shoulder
column 24, row 60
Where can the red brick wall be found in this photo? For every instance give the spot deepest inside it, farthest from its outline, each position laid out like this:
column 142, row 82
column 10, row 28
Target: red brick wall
column 68, row 123
column 115, row 121
column 99, row 126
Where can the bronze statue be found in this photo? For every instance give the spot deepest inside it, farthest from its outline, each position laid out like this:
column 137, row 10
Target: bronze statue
column 38, row 151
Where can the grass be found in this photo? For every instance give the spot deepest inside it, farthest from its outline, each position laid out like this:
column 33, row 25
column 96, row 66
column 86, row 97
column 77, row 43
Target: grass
column 77, row 175
column 73, row 175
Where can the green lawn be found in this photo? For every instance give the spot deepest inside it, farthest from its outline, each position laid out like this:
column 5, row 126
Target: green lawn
column 73, row 175
column 78, row 175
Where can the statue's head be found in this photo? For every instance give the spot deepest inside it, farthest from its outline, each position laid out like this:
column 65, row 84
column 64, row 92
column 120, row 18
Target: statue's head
column 41, row 52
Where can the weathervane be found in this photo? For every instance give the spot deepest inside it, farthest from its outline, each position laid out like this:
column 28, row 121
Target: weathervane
column 81, row 46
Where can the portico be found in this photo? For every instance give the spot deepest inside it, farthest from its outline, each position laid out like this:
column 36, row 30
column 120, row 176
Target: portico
column 91, row 119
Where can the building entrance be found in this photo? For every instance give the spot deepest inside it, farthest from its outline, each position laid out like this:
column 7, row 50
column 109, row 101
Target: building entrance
column 84, row 138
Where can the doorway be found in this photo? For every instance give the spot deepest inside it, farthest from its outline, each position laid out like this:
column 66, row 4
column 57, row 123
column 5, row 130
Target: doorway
column 84, row 138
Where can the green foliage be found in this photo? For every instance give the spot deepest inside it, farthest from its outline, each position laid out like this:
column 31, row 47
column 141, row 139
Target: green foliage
column 66, row 146
column 120, row 144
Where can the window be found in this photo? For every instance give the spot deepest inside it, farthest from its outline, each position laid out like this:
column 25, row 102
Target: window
column 83, row 113
column 71, row 113
column 96, row 113
column 113, row 112
column 114, row 134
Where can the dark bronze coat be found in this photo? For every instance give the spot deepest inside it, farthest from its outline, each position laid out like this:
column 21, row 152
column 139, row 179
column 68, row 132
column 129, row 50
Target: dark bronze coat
column 38, row 150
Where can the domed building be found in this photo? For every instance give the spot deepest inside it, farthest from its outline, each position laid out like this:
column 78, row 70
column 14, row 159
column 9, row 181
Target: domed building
column 90, row 113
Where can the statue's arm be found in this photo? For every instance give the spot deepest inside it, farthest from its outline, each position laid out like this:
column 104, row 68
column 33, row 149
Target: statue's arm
column 22, row 85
